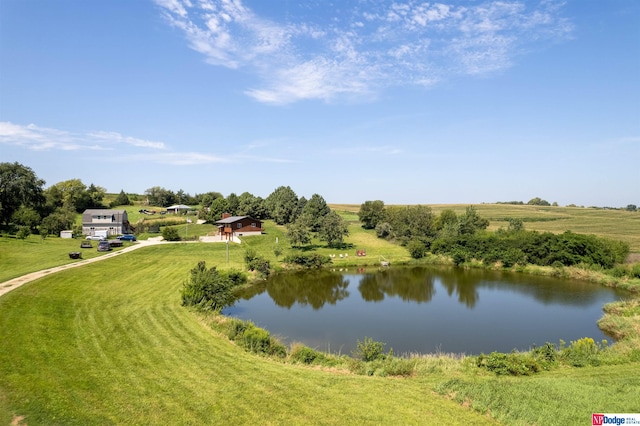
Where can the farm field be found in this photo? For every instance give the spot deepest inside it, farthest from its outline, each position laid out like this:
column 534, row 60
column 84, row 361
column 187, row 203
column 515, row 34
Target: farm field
column 616, row 224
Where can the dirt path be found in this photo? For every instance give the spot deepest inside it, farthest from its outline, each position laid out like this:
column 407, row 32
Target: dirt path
column 7, row 286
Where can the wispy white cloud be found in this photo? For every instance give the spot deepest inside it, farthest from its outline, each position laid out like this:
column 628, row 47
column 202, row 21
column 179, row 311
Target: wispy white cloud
column 359, row 52
column 38, row 138
column 122, row 148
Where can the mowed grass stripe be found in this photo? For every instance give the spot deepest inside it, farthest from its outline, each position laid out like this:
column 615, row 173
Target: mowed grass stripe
column 110, row 343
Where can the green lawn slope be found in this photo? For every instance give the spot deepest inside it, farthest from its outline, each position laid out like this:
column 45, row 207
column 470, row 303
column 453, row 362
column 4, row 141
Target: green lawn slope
column 109, row 343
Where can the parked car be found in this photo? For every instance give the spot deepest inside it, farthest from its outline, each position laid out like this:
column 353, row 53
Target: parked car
column 104, row 245
column 86, row 244
column 127, row 237
column 96, row 238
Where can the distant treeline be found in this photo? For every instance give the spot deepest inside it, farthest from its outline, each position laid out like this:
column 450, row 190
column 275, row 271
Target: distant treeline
column 465, row 238
column 537, row 201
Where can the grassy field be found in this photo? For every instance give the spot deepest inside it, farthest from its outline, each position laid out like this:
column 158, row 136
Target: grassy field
column 110, row 343
column 616, row 224
column 19, row 257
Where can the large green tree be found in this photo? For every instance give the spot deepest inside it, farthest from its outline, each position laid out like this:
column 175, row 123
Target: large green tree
column 19, row 186
column 159, row 196
column 74, row 195
column 371, row 213
column 282, row 205
column 411, row 222
column 121, row 200
column 298, row 234
column 471, row 221
column 333, row 230
column 314, row 212
column 250, row 205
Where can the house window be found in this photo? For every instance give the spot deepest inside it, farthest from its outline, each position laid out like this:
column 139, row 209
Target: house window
column 239, row 225
column 253, row 224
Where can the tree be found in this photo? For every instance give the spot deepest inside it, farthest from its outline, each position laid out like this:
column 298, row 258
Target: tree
column 250, row 205
column 57, row 221
column 121, row 200
column 158, row 196
column 470, row 222
column 216, row 209
column 314, row 212
column 95, row 195
column 298, row 234
column 371, row 213
column 19, row 186
column 333, row 230
column 282, row 205
column 411, row 222
column 537, row 201
column 232, row 204
column 447, row 217
column 27, row 216
column 632, row 207
column 515, row 225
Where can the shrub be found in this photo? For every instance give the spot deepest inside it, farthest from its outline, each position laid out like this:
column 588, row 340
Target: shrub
column 236, row 328
column 383, row 230
column 257, row 263
column 256, row 340
column 369, row 350
column 170, row 234
column 23, row 232
column 417, row 249
column 513, row 364
column 208, row 289
column 583, row 352
column 304, row 354
column 459, row 257
column 309, row 261
column 635, row 271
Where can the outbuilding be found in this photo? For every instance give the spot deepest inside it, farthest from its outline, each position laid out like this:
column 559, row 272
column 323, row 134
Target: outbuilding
column 178, row 208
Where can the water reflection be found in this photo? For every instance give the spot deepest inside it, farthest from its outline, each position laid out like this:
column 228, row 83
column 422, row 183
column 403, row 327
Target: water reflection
column 408, row 284
column 415, row 284
column 303, row 288
column 417, row 309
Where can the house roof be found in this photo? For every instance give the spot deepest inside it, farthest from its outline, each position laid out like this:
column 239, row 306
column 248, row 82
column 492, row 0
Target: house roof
column 178, row 207
column 233, row 219
column 119, row 216
column 102, row 212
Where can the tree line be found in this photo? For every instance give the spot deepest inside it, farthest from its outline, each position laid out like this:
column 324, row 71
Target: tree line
column 26, row 204
column 464, row 238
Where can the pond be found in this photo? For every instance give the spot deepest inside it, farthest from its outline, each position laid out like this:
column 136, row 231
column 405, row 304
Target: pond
column 424, row 309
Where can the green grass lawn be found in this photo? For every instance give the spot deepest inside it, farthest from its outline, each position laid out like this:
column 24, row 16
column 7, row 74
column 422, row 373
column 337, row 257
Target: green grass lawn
column 19, row 257
column 110, row 343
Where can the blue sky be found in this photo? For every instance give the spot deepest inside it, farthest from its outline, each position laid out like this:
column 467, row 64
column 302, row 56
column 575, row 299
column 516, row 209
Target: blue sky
column 404, row 101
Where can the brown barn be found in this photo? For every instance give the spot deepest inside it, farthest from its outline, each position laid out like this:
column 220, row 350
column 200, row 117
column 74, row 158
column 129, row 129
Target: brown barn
column 238, row 226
